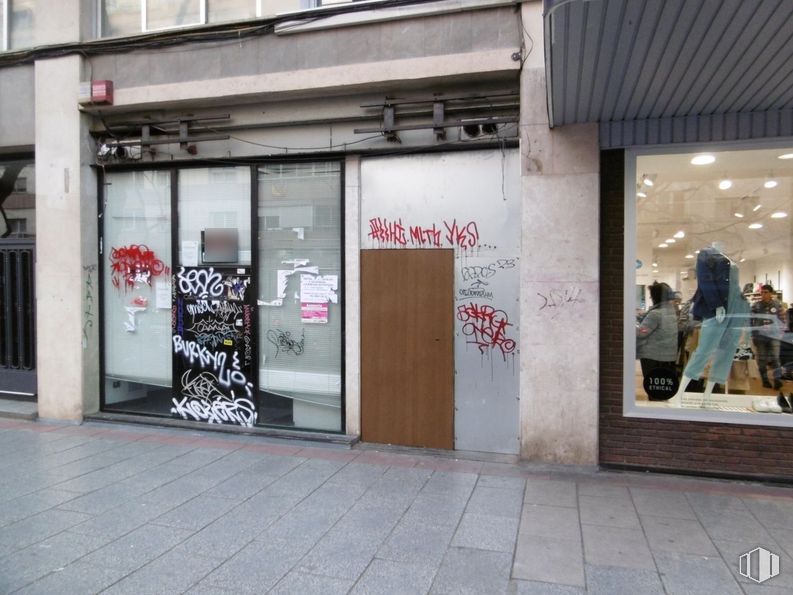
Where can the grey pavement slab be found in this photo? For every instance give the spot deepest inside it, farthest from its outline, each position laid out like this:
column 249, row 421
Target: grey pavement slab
column 117, row 509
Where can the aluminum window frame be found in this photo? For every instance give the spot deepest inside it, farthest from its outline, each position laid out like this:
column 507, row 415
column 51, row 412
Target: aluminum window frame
column 629, row 407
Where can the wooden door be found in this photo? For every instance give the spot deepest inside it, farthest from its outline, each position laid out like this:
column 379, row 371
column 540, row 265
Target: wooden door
column 407, row 347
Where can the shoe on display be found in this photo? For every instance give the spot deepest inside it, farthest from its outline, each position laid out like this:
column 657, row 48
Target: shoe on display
column 773, row 406
column 783, row 403
column 760, row 406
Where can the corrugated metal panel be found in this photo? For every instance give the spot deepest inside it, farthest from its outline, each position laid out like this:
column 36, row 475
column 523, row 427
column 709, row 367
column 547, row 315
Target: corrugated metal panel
column 652, row 60
column 689, row 129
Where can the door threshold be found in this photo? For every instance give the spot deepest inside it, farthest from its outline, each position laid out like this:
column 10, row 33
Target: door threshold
column 309, row 436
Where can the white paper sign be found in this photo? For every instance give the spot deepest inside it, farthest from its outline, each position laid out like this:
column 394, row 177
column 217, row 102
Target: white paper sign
column 189, row 253
column 320, row 289
column 162, row 294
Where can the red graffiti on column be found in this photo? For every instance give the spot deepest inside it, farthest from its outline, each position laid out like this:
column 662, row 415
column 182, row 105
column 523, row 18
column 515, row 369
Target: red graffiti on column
column 389, row 232
column 425, row 236
column 133, row 264
column 487, row 327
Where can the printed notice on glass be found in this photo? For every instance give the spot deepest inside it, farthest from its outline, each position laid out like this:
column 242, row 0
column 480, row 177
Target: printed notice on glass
column 320, row 289
column 162, row 294
column 189, row 253
column 313, row 313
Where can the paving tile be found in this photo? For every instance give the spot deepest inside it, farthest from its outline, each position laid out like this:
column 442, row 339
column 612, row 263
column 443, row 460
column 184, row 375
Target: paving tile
column 550, row 521
column 495, row 481
column 137, row 548
column 450, row 483
column 549, row 560
column 685, row 574
column 775, row 512
column 37, row 528
column 257, row 568
column 495, row 501
column 417, row 543
column 486, row 532
column 387, row 577
column 466, row 571
column 197, row 513
column 615, row 546
column 733, row 524
column 603, row 490
column 611, row 580
column 241, row 486
column 340, row 554
column 173, row 572
column 662, row 503
column 38, row 560
column 610, row 512
column 677, row 535
column 17, row 509
column 311, row 584
column 703, row 502
column 520, row 587
column 77, row 578
column 550, row 492
column 358, row 474
column 438, row 509
column 120, row 520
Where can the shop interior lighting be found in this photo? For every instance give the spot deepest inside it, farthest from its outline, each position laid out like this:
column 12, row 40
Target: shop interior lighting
column 755, row 225
column 680, row 235
column 670, row 240
column 786, row 156
column 689, row 256
column 641, row 194
column 663, row 245
column 655, row 265
column 725, row 184
column 779, row 215
column 703, row 159
column 655, row 270
column 738, row 214
column 756, row 207
column 742, row 260
column 770, row 183
column 647, row 180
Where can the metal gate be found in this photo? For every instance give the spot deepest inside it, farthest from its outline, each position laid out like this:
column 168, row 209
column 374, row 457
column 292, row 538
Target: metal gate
column 17, row 317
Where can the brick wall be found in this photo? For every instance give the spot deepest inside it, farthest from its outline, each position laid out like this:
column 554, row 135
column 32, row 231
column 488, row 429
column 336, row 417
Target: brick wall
column 684, row 446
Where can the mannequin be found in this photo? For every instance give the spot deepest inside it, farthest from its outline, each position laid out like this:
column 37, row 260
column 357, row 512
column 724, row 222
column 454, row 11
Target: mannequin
column 717, row 302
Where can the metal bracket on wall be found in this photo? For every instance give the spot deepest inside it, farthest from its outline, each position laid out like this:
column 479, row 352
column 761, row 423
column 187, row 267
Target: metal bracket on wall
column 145, row 133
column 475, row 114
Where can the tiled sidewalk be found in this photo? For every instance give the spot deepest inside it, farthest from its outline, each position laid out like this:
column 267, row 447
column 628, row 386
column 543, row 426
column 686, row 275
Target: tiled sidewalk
column 127, row 509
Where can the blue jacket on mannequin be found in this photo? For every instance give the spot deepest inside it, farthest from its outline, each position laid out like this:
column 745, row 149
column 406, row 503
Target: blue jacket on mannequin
column 713, row 279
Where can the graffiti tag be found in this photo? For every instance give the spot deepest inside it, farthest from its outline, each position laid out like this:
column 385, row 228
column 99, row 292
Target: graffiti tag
column 202, row 401
column 446, row 234
column 283, row 341
column 201, row 283
column 134, row 264
column 486, row 327
column 558, row 298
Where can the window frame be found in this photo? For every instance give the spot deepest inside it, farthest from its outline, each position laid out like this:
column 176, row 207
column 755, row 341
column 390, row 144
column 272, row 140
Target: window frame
column 630, row 408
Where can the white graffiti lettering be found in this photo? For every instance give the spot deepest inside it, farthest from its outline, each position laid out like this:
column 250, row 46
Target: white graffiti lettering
column 203, row 283
column 202, row 401
column 192, row 351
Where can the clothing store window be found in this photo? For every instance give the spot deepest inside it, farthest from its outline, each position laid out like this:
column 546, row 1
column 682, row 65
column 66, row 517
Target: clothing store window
column 300, row 295
column 709, row 322
column 137, row 265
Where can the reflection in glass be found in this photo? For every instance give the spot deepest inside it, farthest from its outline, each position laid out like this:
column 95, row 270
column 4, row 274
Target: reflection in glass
column 300, row 283
column 121, row 17
column 161, row 14
column 21, row 24
column 137, row 292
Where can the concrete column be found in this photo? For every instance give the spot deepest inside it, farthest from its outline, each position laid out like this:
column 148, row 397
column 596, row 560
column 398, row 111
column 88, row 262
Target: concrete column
column 559, row 274
column 67, row 299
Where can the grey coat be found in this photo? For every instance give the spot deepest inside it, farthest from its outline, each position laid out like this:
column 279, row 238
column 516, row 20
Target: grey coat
column 656, row 334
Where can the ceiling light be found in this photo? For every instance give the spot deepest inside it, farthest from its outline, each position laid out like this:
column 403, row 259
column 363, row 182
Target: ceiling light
column 689, row 256
column 725, row 184
column 738, row 214
column 742, row 260
column 696, row 251
column 703, row 159
column 770, row 184
column 641, row 194
column 755, row 225
column 655, row 270
column 663, row 245
column 756, row 208
column 670, row 241
column 680, row 234
column 786, row 156
column 779, row 215
column 646, row 180
column 655, row 264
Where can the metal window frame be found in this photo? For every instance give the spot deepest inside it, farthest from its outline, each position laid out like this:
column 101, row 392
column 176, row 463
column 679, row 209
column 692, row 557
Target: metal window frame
column 5, row 8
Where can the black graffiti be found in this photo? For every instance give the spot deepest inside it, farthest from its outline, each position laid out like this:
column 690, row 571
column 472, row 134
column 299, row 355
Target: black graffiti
column 283, row 341
column 558, row 298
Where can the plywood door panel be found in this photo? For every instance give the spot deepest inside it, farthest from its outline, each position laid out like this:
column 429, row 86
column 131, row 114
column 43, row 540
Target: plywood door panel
column 407, row 347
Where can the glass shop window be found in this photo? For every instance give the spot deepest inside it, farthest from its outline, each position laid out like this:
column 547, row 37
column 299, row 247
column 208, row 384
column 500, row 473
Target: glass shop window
column 21, row 19
column 18, row 207
column 137, row 292
column 300, row 295
column 711, row 323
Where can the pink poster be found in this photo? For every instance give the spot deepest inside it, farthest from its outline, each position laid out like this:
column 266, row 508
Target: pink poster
column 314, row 313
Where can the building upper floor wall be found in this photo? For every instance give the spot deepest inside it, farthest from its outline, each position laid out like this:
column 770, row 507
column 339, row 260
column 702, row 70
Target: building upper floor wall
column 17, row 118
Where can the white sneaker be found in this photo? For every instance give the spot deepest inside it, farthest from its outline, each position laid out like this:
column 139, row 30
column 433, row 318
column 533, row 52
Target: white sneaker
column 761, row 406
column 773, row 406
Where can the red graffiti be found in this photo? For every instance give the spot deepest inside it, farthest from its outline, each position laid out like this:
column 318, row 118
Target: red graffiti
column 425, row 236
column 487, row 327
column 133, row 264
column 388, row 232
column 466, row 236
